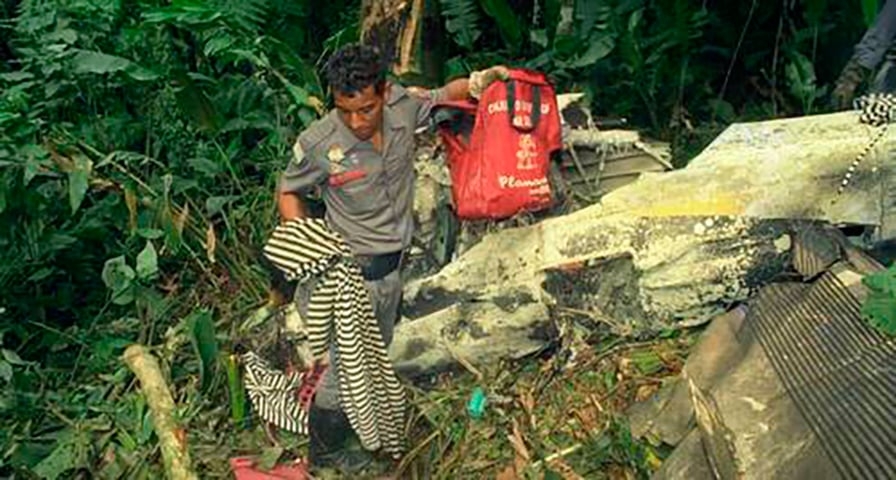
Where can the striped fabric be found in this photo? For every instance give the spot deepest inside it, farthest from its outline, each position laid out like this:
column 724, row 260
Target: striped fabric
column 278, row 397
column 340, row 311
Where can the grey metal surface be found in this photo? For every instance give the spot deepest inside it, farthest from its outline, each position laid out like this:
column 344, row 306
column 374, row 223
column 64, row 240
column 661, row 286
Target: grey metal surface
column 839, row 371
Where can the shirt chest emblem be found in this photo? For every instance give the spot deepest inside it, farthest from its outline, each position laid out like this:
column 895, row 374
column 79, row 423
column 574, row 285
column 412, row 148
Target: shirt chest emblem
column 343, row 169
column 335, row 155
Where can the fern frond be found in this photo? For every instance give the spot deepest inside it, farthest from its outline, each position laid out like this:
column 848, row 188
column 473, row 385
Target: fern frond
column 462, row 18
column 247, row 15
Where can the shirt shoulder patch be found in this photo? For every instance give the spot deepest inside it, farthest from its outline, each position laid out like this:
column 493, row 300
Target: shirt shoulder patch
column 298, row 154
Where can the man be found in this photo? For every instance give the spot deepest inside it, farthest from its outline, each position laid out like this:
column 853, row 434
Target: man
column 360, row 157
column 874, row 48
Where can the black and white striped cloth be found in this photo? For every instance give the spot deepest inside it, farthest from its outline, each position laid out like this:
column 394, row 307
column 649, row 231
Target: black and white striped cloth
column 282, row 399
column 340, row 311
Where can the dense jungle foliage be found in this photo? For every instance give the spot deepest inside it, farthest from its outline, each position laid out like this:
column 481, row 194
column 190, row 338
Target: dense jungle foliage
column 140, row 142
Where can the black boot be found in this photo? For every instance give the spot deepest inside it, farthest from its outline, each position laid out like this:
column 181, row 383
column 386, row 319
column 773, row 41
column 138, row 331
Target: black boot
column 329, row 432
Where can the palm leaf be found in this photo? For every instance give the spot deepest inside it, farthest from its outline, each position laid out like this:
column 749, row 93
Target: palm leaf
column 462, row 18
column 507, row 21
column 248, row 15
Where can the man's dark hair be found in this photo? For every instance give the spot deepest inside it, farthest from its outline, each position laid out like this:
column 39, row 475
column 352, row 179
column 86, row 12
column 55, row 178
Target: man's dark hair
column 355, row 67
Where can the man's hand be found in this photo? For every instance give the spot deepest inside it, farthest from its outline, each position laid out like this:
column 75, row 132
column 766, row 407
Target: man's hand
column 480, row 80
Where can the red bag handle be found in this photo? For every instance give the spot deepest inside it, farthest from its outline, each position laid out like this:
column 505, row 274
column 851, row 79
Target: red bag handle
column 511, row 106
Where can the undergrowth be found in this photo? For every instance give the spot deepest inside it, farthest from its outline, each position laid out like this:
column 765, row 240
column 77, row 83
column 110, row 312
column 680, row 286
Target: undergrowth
column 139, row 147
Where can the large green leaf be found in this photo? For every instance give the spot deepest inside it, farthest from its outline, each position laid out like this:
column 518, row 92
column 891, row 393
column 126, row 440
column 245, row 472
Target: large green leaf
column 119, row 277
column 599, row 47
column 507, row 21
column 462, row 21
column 78, row 184
column 879, row 308
column 86, row 61
column 187, row 13
column 869, row 11
column 588, row 15
column 551, row 18
column 147, row 262
column 70, row 453
column 202, row 336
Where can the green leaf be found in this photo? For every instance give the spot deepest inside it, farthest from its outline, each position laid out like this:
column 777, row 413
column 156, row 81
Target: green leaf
column 598, row 49
column 236, row 393
column 35, row 157
column 65, row 35
column 269, row 457
column 16, row 76
column 41, row 274
column 462, row 21
column 150, row 233
column 87, row 61
column 214, row 205
column 722, row 109
column 202, row 336
column 588, row 14
column 552, row 18
column 13, row 357
column 147, row 262
column 869, row 11
column 879, row 307
column 70, row 453
column 78, row 182
column 5, row 371
column 119, row 277
column 508, row 22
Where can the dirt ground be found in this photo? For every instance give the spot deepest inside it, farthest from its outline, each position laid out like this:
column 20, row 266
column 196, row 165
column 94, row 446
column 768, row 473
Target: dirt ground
column 557, row 416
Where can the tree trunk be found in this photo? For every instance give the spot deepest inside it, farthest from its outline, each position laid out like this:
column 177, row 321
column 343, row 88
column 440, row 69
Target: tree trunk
column 175, row 453
column 397, row 28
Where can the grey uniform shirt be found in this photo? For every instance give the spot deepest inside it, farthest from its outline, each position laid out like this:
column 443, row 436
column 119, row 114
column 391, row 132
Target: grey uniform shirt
column 369, row 196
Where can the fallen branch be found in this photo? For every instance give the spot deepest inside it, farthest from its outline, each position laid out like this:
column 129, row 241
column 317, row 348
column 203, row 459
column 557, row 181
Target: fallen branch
column 554, row 456
column 175, row 454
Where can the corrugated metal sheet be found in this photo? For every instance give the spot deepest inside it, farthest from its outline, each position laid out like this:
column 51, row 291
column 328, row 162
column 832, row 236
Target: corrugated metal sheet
column 814, row 251
column 840, row 372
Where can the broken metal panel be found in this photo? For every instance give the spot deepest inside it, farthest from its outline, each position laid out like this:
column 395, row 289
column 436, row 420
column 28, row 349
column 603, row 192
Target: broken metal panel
column 470, row 332
column 673, row 271
column 786, row 168
column 813, row 252
column 805, row 385
column 716, row 437
column 595, row 162
column 837, row 369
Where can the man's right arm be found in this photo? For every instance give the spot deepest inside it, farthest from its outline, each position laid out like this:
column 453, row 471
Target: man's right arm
column 301, row 175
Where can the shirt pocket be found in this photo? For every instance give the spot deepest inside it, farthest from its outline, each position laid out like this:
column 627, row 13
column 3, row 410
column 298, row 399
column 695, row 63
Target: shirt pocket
column 360, row 194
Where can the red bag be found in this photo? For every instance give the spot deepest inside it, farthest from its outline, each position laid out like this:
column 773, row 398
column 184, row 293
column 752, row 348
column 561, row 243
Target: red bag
column 499, row 162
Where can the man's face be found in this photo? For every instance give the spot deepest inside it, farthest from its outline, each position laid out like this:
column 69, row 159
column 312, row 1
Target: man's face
column 361, row 111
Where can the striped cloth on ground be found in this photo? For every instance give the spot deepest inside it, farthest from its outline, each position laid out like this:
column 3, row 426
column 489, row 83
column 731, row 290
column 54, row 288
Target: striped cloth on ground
column 280, row 398
column 340, row 311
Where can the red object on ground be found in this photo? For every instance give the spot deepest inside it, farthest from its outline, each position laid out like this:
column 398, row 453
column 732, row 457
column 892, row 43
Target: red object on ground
column 245, row 468
column 499, row 166
column 310, row 382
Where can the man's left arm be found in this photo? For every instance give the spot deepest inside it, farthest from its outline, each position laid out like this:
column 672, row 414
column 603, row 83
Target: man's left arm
column 455, row 90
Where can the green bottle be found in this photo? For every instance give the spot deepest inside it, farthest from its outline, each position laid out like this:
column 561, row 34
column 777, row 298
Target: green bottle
column 476, row 405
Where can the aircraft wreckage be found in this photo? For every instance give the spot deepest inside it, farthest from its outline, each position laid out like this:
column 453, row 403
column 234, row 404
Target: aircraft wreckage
column 671, row 248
